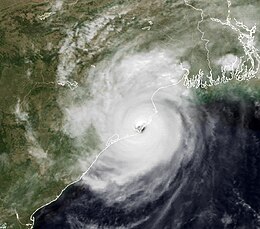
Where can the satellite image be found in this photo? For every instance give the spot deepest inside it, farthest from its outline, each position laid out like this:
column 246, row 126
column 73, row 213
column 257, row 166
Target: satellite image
column 129, row 114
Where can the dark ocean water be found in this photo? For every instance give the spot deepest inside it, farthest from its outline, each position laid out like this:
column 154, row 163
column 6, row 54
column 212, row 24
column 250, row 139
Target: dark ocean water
column 218, row 188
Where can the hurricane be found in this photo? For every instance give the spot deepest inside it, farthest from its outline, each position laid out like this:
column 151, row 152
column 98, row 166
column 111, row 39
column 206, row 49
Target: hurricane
column 163, row 158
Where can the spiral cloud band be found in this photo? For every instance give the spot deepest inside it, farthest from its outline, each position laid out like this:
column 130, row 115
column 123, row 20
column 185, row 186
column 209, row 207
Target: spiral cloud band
column 143, row 114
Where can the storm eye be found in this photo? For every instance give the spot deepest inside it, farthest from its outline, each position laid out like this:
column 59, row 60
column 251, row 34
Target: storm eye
column 140, row 128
